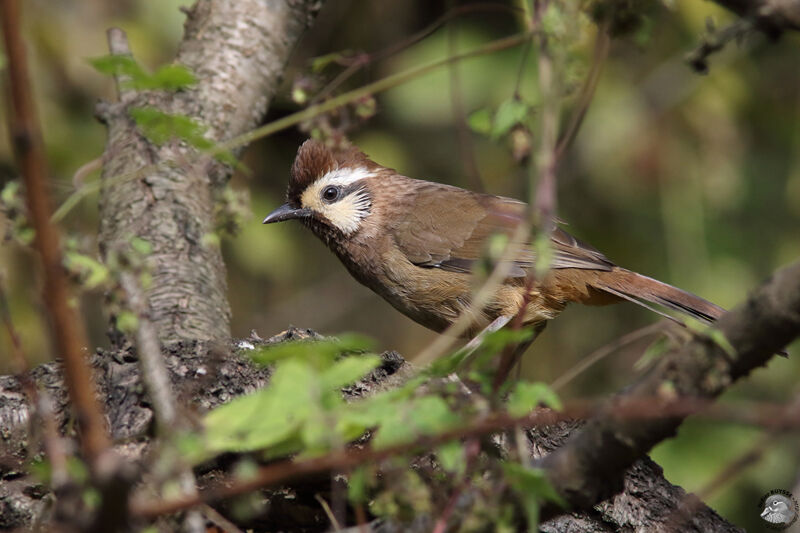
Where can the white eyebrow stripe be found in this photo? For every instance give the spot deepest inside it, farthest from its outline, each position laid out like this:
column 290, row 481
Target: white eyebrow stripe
column 346, row 176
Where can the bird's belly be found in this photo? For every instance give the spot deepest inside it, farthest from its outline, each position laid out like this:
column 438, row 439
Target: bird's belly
column 435, row 298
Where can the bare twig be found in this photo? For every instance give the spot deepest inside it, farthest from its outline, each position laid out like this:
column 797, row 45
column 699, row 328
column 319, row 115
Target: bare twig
column 67, row 327
column 601, row 353
column 155, row 376
column 465, row 148
column 223, row 523
column 651, row 408
column 363, row 60
column 377, row 86
column 602, row 43
column 543, row 165
column 118, row 46
column 303, row 115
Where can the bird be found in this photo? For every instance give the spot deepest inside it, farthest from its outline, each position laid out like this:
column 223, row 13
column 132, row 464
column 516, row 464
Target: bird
column 779, row 509
column 417, row 244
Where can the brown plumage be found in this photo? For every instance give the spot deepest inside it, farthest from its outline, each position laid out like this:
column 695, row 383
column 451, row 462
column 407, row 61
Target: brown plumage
column 415, row 243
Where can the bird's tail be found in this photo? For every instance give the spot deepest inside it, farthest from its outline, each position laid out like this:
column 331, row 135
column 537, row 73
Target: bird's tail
column 644, row 291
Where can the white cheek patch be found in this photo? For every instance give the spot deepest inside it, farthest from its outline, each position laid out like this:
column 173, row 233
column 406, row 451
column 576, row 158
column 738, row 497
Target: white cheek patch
column 346, row 213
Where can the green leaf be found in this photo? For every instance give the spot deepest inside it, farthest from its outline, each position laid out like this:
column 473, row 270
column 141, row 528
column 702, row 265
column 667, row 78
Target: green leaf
column 319, row 64
column 93, row 272
column 527, row 396
column 127, row 322
column 451, row 457
column 10, row 193
column 160, row 127
column 480, row 121
column 357, row 485
column 141, row 246
column 543, row 248
column 658, row 348
column 169, row 77
column 348, row 370
column 510, row 113
column 719, row 338
column 532, row 487
column 118, row 65
column 270, row 417
column 429, row 415
column 321, row 352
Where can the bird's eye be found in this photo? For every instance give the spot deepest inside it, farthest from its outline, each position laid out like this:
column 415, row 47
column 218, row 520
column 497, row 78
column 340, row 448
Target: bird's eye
column 329, row 194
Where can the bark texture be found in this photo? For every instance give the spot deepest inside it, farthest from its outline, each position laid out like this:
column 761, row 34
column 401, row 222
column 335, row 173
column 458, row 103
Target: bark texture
column 238, row 50
column 774, row 16
column 205, row 375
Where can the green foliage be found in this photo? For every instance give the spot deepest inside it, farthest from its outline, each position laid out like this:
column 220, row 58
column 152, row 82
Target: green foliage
column 525, row 397
column 656, row 349
column 321, row 353
column 141, row 246
column 160, row 127
column 12, row 206
column 302, row 409
column 509, row 114
column 357, row 485
column 126, row 321
column 298, row 409
column 543, row 248
column 531, row 487
column 168, row 77
column 428, row 415
column 93, row 273
column 451, row 457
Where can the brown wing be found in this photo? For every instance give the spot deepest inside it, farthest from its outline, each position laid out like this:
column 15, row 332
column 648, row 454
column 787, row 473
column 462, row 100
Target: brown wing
column 447, row 227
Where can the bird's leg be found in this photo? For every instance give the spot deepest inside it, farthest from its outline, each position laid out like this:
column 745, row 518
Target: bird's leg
column 512, row 356
column 470, row 348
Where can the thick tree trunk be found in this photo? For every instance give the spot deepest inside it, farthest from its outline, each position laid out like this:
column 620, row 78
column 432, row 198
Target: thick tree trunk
column 238, row 50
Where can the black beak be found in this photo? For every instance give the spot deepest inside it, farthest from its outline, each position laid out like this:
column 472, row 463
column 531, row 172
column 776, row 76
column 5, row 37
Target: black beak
column 286, row 212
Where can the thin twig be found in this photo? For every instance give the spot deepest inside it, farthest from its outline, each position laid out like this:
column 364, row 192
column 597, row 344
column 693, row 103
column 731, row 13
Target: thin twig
column 155, row 377
column 644, row 408
column 118, row 46
column 328, row 512
column 544, row 164
column 465, row 147
column 602, row 43
column 363, row 60
column 220, row 521
column 68, row 329
column 601, row 353
column 303, row 115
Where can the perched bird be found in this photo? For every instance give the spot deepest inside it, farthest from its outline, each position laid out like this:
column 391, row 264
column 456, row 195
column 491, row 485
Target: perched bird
column 415, row 243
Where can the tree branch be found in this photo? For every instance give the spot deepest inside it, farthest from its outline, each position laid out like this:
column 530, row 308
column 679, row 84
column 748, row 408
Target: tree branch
column 237, row 51
column 590, row 466
column 70, row 337
column 772, row 16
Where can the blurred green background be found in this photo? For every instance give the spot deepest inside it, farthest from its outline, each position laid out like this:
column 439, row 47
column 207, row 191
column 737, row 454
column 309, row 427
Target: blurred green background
column 692, row 179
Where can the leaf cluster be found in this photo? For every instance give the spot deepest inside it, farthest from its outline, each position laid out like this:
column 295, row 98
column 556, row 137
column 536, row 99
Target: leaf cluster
column 303, row 413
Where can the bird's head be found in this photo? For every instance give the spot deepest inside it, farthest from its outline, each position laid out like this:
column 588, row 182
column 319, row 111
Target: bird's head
column 328, row 190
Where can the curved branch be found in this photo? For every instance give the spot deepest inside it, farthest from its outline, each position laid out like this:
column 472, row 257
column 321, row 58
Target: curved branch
column 590, row 466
